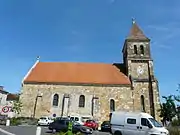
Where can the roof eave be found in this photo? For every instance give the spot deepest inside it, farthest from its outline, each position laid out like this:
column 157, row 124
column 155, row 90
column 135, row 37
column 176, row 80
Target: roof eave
column 73, row 83
column 137, row 40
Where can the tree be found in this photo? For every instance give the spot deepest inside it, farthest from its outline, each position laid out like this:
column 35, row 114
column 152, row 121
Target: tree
column 168, row 109
column 17, row 105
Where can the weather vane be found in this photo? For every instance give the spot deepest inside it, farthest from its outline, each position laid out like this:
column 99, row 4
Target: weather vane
column 133, row 20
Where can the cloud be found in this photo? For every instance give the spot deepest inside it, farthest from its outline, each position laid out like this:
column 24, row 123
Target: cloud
column 164, row 35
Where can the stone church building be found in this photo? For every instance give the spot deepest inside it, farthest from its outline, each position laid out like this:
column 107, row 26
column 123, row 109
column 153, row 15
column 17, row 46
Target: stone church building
column 94, row 89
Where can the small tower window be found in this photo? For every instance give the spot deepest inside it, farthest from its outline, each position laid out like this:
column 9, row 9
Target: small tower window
column 135, row 49
column 55, row 100
column 81, row 101
column 142, row 49
column 112, row 105
column 142, row 104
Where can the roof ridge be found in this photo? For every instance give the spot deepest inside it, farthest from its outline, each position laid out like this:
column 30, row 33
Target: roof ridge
column 79, row 62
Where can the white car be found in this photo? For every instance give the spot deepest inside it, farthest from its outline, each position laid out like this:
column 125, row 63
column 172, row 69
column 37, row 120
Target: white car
column 45, row 121
column 135, row 123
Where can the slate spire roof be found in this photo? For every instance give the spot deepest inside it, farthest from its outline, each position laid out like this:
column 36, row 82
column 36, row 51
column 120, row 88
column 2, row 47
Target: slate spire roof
column 136, row 32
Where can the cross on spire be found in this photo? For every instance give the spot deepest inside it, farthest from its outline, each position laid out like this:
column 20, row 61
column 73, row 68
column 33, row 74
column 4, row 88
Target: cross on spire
column 133, row 21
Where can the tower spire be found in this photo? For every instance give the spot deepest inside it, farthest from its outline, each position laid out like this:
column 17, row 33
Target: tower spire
column 136, row 32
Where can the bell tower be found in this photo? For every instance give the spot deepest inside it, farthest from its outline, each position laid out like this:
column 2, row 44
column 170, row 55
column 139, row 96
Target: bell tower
column 139, row 68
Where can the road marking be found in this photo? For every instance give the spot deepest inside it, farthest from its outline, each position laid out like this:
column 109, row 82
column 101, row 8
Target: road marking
column 6, row 132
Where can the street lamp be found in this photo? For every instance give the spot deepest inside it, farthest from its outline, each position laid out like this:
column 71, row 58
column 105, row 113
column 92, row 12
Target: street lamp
column 35, row 105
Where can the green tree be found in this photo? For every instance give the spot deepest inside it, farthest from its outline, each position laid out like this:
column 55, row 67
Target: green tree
column 168, row 108
column 17, row 105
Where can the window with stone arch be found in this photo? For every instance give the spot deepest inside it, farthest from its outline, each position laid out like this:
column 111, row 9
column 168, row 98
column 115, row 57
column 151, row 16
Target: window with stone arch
column 142, row 104
column 81, row 101
column 112, row 105
column 55, row 100
column 142, row 49
column 135, row 49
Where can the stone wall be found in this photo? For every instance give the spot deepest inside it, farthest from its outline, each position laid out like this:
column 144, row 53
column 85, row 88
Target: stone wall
column 121, row 95
column 125, row 99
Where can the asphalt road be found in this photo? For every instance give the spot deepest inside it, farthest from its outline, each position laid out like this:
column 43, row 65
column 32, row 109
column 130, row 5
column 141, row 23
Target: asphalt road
column 31, row 130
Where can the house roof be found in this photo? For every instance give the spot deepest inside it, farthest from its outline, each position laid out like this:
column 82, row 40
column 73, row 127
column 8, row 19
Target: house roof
column 136, row 33
column 12, row 97
column 78, row 73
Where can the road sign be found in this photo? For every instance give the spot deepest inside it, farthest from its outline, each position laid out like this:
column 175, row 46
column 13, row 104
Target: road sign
column 5, row 109
column 54, row 115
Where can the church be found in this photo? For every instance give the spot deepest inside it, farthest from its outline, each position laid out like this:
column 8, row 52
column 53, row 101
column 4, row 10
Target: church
column 94, row 89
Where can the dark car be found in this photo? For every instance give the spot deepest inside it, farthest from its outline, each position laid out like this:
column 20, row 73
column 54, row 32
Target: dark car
column 105, row 126
column 62, row 125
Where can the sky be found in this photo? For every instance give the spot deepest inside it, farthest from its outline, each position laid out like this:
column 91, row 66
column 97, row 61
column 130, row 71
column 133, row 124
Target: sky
column 86, row 31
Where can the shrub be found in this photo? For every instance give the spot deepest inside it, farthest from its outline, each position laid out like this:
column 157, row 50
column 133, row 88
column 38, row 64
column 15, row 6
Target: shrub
column 174, row 130
column 175, row 122
column 23, row 120
column 15, row 122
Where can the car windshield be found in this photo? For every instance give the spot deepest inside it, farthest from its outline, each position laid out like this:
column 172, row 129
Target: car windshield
column 155, row 123
column 89, row 121
column 106, row 122
column 43, row 118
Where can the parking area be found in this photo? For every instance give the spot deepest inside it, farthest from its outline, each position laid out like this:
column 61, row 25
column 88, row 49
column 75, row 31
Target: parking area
column 31, row 130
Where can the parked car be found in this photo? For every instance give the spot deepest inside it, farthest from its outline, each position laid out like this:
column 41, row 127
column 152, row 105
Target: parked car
column 105, row 126
column 77, row 119
column 62, row 125
column 92, row 124
column 45, row 121
column 135, row 123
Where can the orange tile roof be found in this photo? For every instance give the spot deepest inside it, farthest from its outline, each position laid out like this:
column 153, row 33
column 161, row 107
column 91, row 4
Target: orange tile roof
column 79, row 73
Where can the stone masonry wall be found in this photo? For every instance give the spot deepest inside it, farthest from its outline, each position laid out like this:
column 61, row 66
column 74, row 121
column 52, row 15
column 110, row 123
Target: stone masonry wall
column 125, row 99
column 121, row 95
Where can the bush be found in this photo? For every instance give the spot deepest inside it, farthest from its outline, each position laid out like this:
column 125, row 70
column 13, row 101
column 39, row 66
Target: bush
column 23, row 120
column 174, row 130
column 15, row 122
column 175, row 122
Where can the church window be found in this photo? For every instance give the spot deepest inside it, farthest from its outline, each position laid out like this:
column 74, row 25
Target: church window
column 142, row 49
column 112, row 105
column 81, row 101
column 142, row 104
column 55, row 100
column 135, row 49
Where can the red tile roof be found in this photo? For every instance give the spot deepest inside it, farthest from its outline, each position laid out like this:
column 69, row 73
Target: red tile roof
column 11, row 97
column 79, row 73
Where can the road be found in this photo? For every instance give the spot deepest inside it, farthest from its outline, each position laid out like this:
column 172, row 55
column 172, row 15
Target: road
column 31, row 130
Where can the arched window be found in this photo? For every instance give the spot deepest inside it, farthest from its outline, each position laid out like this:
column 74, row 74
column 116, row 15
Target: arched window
column 81, row 101
column 142, row 104
column 112, row 105
column 55, row 100
column 135, row 49
column 142, row 49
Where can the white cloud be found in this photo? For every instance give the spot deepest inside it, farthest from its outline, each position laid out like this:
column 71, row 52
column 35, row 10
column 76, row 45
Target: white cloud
column 164, row 34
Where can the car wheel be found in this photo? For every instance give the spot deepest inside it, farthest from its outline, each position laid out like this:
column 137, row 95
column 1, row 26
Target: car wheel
column 117, row 133
column 54, row 131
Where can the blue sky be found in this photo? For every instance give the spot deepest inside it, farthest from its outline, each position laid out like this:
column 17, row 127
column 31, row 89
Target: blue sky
column 86, row 31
